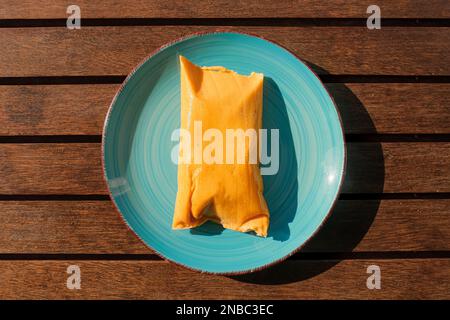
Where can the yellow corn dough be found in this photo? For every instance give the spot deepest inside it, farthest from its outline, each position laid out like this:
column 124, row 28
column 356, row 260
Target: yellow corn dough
column 228, row 194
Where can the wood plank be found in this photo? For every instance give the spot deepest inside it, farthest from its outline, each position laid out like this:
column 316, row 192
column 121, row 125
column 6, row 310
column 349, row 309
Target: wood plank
column 29, row 9
column 397, row 167
column 65, row 227
column 75, row 168
column 72, row 227
column 51, row 168
column 58, row 51
column 54, row 109
column 411, row 108
column 400, row 279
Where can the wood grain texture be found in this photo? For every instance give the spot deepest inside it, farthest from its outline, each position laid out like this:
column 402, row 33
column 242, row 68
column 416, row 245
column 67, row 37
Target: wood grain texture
column 30, row 9
column 401, row 279
column 54, row 109
column 117, row 50
column 75, row 168
column 51, row 168
column 411, row 108
column 393, row 108
column 94, row 227
column 397, row 167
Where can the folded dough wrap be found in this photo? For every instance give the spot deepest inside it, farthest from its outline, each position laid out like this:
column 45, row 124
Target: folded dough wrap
column 228, row 194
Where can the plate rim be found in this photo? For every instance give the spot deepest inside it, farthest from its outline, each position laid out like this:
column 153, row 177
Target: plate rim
column 131, row 74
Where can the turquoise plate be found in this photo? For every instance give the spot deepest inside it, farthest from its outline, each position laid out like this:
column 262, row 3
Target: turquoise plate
column 142, row 179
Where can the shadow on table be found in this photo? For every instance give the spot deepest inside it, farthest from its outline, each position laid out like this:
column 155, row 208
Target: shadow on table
column 350, row 220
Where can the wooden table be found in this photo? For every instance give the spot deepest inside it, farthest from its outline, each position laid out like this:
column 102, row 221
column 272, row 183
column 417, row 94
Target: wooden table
column 391, row 86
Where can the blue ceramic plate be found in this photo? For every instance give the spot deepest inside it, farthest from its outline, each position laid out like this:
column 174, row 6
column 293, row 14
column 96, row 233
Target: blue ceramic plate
column 142, row 179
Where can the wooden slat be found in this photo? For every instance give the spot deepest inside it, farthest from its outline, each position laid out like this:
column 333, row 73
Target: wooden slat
column 397, row 167
column 400, row 279
column 29, row 9
column 411, row 108
column 95, row 227
column 393, row 108
column 51, row 168
column 116, row 50
column 54, row 109
column 76, row 168
column 65, row 227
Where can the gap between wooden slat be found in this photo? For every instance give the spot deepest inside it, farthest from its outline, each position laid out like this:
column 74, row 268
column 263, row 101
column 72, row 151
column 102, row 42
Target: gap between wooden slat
column 254, row 22
column 342, row 196
column 354, row 138
column 301, row 256
column 118, row 79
